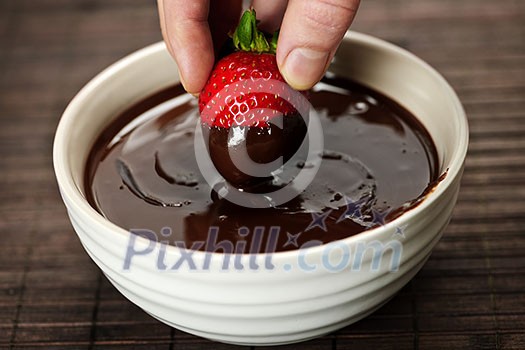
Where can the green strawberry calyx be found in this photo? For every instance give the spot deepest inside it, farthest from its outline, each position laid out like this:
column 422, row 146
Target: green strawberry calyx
column 247, row 37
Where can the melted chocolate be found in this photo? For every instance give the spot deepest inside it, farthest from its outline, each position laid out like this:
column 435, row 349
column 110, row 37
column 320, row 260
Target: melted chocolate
column 378, row 162
column 275, row 143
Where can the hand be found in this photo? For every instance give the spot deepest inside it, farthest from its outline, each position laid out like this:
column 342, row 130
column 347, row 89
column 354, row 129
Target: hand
column 311, row 31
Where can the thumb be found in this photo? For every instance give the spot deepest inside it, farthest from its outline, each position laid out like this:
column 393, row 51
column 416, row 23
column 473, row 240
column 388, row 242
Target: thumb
column 310, row 34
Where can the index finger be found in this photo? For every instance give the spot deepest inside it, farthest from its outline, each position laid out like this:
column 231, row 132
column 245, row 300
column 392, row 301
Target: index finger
column 187, row 35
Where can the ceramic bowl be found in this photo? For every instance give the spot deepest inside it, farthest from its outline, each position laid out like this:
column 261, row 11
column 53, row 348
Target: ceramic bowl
column 308, row 292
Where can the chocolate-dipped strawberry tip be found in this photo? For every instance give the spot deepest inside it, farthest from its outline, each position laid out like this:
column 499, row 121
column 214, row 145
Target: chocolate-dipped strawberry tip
column 253, row 121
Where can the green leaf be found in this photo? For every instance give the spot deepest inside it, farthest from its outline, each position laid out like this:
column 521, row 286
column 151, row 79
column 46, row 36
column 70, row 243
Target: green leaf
column 243, row 36
column 248, row 38
column 273, row 43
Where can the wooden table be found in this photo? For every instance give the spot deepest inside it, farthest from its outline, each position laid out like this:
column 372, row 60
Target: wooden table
column 470, row 294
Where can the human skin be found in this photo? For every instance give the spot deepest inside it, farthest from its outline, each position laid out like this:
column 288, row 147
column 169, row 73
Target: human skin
column 310, row 32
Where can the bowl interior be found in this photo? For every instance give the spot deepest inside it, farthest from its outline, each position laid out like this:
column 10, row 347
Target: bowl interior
column 102, row 100
column 373, row 62
column 412, row 83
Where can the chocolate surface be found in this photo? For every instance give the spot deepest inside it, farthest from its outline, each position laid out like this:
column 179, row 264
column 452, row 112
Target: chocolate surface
column 377, row 162
column 272, row 146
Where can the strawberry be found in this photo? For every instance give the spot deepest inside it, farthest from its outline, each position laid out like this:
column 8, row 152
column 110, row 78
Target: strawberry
column 226, row 99
column 247, row 108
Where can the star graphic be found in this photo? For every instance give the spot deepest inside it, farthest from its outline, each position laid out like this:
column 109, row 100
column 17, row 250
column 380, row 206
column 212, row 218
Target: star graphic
column 318, row 220
column 400, row 231
column 353, row 209
column 292, row 239
column 379, row 217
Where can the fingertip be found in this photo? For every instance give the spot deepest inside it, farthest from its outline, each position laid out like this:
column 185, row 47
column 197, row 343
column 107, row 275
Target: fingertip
column 193, row 77
column 188, row 87
column 310, row 34
column 188, row 39
column 303, row 67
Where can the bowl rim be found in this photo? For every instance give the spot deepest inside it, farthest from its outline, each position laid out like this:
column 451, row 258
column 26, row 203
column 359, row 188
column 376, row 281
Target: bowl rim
column 72, row 194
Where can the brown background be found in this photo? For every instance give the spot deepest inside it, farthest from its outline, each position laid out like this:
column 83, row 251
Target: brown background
column 470, row 294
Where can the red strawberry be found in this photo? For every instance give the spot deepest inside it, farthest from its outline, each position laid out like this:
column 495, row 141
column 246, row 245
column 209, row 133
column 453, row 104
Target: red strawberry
column 223, row 102
column 228, row 98
column 247, row 108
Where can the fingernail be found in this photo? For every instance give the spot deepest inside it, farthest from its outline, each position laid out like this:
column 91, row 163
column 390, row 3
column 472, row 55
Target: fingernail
column 183, row 82
column 304, row 67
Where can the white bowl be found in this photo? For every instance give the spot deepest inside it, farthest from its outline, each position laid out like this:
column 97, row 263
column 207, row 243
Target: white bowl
column 288, row 303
